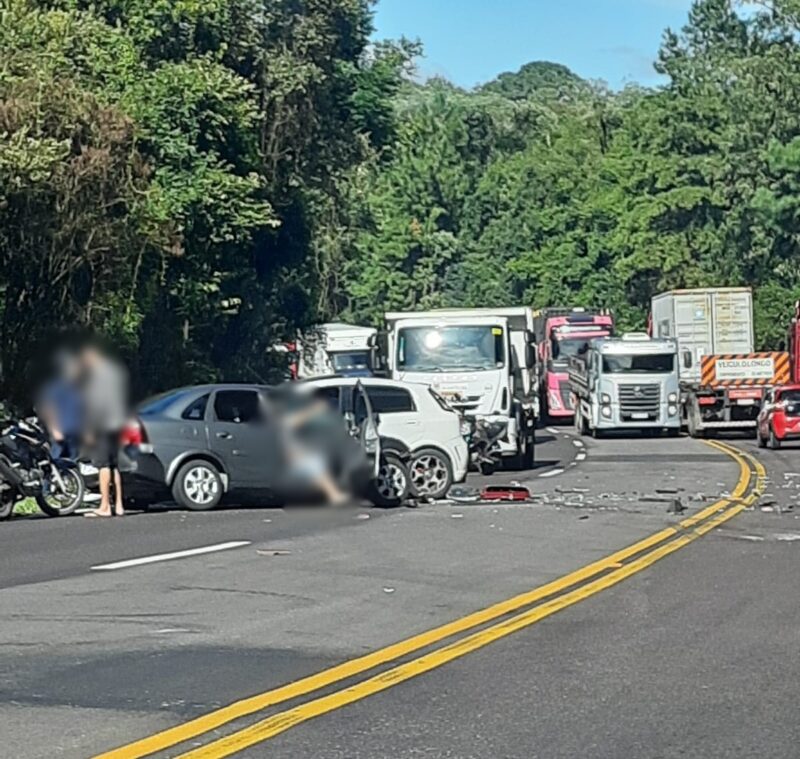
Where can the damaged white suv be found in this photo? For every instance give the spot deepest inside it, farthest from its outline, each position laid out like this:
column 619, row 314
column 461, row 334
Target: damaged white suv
column 418, row 419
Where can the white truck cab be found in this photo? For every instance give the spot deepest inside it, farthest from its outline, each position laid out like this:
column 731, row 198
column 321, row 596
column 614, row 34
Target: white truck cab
column 627, row 383
column 481, row 361
column 336, row 348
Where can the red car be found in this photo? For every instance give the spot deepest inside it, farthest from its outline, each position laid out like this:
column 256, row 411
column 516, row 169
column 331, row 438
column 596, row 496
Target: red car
column 779, row 419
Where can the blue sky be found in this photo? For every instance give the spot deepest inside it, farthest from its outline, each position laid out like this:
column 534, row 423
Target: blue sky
column 471, row 41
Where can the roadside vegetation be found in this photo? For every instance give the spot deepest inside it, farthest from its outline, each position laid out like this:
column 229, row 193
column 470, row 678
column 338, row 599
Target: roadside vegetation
column 196, row 179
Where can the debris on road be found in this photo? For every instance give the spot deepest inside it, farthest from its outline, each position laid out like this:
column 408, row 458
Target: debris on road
column 462, row 494
column 456, row 516
column 676, row 507
column 388, row 590
column 505, row 493
column 272, row 552
column 362, row 516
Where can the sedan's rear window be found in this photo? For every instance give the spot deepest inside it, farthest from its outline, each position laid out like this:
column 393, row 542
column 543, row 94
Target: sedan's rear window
column 160, row 403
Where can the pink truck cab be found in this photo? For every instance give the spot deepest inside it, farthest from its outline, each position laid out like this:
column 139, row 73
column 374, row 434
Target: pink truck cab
column 561, row 333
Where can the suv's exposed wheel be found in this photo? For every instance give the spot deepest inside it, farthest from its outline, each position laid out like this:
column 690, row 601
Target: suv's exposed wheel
column 431, row 473
column 197, row 486
column 393, row 483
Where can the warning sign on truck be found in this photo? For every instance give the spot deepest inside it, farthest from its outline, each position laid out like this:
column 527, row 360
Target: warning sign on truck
column 748, row 369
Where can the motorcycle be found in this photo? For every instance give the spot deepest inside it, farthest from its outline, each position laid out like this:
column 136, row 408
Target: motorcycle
column 484, row 444
column 28, row 470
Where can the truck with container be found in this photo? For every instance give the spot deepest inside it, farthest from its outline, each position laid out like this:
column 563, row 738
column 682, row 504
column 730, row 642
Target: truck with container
column 481, row 361
column 723, row 380
column 626, row 383
column 561, row 333
column 347, row 350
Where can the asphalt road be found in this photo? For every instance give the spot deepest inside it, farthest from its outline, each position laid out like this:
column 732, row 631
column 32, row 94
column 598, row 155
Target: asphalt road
column 686, row 651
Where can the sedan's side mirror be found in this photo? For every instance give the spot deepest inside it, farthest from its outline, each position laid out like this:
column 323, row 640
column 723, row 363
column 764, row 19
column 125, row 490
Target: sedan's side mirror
column 687, row 359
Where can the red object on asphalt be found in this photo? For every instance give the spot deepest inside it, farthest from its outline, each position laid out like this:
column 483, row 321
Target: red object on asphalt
column 505, row 493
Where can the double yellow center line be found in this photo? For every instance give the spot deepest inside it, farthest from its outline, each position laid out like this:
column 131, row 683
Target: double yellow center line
column 513, row 614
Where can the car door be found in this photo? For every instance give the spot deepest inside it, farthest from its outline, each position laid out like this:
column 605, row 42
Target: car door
column 361, row 415
column 240, row 434
column 397, row 414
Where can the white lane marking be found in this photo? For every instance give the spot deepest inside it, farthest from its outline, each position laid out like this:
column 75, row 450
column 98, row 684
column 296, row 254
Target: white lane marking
column 552, row 430
column 552, row 474
column 578, row 443
column 580, row 457
column 174, row 555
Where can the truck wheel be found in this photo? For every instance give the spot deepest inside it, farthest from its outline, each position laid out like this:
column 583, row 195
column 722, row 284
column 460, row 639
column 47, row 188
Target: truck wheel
column 580, row 422
column 691, row 424
column 523, row 460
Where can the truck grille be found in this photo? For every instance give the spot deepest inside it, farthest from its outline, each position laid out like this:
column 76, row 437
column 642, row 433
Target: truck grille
column 468, row 403
column 635, row 400
column 565, row 389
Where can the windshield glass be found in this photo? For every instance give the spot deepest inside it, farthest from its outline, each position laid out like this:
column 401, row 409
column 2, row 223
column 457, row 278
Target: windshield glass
column 563, row 349
column 790, row 398
column 348, row 362
column 649, row 364
column 442, row 349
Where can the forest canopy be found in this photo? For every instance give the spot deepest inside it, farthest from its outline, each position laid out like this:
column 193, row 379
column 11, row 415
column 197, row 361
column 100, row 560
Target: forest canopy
column 198, row 179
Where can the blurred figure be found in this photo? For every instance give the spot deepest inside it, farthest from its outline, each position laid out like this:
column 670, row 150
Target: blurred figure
column 308, row 430
column 105, row 394
column 60, row 406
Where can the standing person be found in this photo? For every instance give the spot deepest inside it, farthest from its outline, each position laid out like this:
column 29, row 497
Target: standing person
column 105, row 392
column 60, row 407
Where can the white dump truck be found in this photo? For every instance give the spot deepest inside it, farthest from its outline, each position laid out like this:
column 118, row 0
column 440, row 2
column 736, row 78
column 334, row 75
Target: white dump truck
column 723, row 381
column 336, row 348
column 480, row 360
column 627, row 383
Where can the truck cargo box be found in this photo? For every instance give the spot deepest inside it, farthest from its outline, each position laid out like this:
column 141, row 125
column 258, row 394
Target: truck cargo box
column 706, row 321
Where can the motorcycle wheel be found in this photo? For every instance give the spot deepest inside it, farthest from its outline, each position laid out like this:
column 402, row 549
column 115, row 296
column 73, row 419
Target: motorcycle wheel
column 6, row 508
column 56, row 504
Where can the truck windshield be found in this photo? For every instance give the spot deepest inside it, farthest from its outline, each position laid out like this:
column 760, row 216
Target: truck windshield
column 564, row 348
column 444, row 349
column 657, row 363
column 350, row 362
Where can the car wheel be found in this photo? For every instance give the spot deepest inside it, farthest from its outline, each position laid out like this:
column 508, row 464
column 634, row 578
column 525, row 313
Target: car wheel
column 197, row 486
column 762, row 443
column 774, row 441
column 393, row 483
column 431, row 473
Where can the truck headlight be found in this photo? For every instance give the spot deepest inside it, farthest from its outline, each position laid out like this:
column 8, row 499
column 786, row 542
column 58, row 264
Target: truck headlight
column 673, row 409
column 672, row 398
column 606, row 412
column 605, row 399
